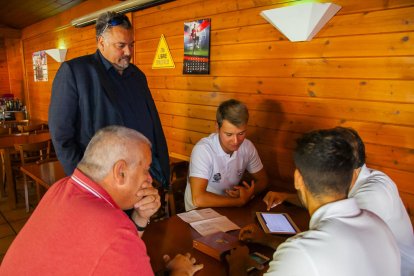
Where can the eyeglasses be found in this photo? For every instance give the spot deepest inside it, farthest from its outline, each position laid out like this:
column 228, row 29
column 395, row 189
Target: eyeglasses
column 117, row 20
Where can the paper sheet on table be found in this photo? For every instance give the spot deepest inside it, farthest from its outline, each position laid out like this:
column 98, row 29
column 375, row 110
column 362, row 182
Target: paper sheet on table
column 214, row 225
column 197, row 215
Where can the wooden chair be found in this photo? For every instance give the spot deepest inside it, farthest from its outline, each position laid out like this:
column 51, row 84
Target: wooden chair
column 176, row 196
column 19, row 116
column 32, row 128
column 3, row 131
column 32, row 153
column 178, row 184
column 3, row 174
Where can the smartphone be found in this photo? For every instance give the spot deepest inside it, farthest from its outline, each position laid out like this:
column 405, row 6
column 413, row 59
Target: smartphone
column 260, row 258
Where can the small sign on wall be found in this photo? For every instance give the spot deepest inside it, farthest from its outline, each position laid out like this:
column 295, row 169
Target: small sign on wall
column 40, row 66
column 163, row 58
column 197, row 47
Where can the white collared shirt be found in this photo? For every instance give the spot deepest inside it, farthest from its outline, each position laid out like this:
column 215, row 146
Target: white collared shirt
column 343, row 240
column 209, row 161
column 376, row 192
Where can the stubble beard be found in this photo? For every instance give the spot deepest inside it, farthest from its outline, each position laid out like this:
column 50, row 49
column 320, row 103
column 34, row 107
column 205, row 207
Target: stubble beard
column 123, row 63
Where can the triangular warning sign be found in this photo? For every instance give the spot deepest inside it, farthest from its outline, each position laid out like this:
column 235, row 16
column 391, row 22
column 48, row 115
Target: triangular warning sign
column 163, row 58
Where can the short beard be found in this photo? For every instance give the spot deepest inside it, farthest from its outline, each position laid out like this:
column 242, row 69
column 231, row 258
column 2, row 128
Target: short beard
column 121, row 66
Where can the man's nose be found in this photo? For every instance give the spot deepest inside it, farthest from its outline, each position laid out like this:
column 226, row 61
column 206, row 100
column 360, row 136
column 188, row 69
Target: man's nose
column 128, row 50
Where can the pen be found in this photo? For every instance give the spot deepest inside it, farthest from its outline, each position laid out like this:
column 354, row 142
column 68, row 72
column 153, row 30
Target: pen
column 274, row 205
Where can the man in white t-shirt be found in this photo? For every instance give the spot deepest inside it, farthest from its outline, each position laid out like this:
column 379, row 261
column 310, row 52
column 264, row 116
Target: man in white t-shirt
column 342, row 239
column 374, row 191
column 218, row 163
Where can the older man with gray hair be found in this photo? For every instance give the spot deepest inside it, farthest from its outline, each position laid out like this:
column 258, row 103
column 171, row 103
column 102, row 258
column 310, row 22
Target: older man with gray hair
column 79, row 227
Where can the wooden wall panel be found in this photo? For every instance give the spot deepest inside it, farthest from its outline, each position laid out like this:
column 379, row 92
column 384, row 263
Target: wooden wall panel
column 384, row 68
column 396, row 44
column 4, row 71
column 374, row 90
column 385, row 112
column 15, row 67
column 235, row 21
column 357, row 72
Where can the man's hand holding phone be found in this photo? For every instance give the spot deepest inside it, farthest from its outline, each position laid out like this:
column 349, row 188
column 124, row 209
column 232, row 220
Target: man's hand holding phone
column 240, row 262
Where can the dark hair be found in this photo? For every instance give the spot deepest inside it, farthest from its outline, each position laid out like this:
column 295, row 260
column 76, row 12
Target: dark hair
column 233, row 111
column 111, row 19
column 358, row 147
column 325, row 161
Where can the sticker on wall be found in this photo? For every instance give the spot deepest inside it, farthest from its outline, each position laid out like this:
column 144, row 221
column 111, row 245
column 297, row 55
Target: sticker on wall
column 40, row 66
column 197, row 47
column 163, row 58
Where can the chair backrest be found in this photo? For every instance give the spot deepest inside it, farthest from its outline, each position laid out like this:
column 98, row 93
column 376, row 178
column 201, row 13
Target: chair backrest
column 178, row 170
column 5, row 130
column 19, row 116
column 32, row 128
column 178, row 184
column 33, row 152
column 176, row 196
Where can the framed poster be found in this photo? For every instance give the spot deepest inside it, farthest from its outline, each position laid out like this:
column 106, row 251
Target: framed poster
column 40, row 66
column 197, row 47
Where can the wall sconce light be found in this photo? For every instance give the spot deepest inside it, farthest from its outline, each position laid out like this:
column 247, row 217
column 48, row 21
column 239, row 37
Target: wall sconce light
column 57, row 54
column 301, row 22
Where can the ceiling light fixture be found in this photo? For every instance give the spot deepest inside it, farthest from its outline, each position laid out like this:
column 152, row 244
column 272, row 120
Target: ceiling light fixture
column 124, row 7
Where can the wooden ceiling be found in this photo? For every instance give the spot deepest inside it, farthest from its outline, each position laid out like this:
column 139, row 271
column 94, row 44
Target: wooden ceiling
column 17, row 14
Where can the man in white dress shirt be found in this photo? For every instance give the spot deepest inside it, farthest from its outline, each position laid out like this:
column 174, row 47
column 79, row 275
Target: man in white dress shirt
column 219, row 161
column 342, row 240
column 374, row 191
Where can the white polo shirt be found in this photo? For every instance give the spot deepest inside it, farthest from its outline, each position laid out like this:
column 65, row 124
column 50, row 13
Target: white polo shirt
column 376, row 192
column 209, row 161
column 342, row 240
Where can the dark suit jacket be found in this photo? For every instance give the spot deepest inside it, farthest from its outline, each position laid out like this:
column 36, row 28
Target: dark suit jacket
column 81, row 105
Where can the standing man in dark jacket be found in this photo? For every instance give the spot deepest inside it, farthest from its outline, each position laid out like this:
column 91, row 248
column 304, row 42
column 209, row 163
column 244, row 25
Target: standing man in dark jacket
column 94, row 91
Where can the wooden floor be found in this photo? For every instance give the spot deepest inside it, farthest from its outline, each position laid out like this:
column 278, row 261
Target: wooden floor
column 11, row 221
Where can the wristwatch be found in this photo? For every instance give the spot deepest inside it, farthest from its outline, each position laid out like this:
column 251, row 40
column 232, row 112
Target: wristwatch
column 141, row 228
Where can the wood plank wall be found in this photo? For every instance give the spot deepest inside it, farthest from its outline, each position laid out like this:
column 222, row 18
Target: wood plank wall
column 358, row 72
column 15, row 66
column 4, row 72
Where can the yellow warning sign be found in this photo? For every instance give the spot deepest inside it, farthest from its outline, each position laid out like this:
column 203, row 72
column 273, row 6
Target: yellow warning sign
column 163, row 58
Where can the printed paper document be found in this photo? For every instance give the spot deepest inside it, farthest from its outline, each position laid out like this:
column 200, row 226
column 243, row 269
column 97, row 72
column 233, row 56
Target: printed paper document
column 207, row 221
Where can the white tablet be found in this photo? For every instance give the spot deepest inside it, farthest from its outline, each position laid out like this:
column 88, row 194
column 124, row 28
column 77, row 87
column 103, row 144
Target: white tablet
column 277, row 223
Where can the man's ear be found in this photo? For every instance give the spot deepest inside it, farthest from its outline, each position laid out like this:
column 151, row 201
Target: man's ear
column 298, row 180
column 119, row 171
column 217, row 126
column 101, row 43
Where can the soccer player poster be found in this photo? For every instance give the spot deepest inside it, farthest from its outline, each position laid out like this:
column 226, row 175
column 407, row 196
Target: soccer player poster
column 197, row 47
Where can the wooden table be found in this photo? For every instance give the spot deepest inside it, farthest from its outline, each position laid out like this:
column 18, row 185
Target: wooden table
column 44, row 173
column 172, row 236
column 7, row 145
column 14, row 123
